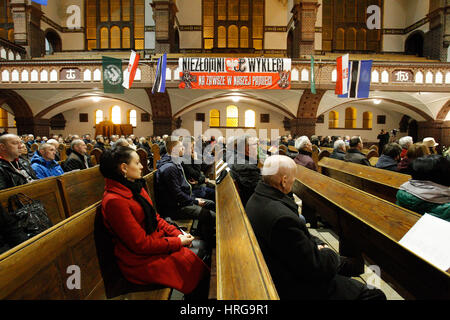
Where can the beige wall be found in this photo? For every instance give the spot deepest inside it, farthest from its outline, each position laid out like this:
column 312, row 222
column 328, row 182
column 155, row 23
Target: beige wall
column 190, row 39
column 392, row 122
column 276, row 119
column 275, row 40
column 189, row 12
column 275, row 13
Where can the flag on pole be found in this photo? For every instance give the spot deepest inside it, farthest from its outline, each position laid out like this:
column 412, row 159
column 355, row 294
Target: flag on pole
column 112, row 75
column 313, row 77
column 44, row 2
column 342, row 75
column 130, row 72
column 160, row 79
column 360, row 73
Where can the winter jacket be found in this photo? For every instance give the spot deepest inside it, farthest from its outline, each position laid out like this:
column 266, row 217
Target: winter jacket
column 145, row 258
column 76, row 161
column 9, row 177
column 304, row 158
column 172, row 189
column 298, row 268
column 403, row 166
column 193, row 171
column 356, row 156
column 425, row 197
column 246, row 175
column 44, row 168
column 387, row 163
column 100, row 145
column 337, row 154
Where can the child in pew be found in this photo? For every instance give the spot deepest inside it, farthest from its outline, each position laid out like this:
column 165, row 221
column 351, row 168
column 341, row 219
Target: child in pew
column 148, row 249
column 302, row 266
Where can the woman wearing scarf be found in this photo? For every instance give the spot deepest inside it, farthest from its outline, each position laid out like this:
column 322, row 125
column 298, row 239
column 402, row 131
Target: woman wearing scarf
column 148, row 249
column 428, row 191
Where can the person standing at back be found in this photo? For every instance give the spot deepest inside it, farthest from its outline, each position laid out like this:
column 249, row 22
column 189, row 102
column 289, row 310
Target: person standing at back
column 383, row 138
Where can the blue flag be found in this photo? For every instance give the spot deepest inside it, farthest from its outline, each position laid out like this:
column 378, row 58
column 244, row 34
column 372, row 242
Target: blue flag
column 44, row 2
column 160, row 80
column 359, row 76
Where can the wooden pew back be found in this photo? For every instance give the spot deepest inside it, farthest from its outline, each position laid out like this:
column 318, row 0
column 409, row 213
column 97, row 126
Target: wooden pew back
column 97, row 153
column 242, row 272
column 371, row 226
column 377, row 182
column 143, row 158
column 156, row 154
column 46, row 190
column 81, row 188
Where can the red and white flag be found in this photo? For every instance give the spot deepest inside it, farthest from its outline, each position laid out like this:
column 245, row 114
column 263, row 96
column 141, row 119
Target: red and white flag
column 342, row 75
column 130, row 72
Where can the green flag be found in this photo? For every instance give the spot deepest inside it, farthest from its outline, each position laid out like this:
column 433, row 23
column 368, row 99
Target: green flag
column 313, row 77
column 112, row 75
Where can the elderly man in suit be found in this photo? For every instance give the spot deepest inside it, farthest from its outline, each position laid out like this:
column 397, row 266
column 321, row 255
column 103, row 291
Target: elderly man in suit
column 301, row 265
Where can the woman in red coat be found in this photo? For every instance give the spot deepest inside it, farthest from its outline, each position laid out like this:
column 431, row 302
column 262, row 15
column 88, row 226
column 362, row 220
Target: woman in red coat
column 147, row 248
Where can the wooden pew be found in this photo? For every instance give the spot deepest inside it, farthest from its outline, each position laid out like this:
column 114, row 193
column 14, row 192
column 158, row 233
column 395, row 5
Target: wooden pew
column 62, row 151
column 81, row 189
column 143, row 158
column 242, row 273
column 46, row 190
column 96, row 153
column 378, row 182
column 38, row 268
column 371, row 227
column 156, row 155
column 292, row 149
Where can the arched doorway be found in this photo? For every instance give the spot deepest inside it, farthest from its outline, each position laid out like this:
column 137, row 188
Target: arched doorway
column 414, row 44
column 176, row 41
column 290, row 44
column 52, row 42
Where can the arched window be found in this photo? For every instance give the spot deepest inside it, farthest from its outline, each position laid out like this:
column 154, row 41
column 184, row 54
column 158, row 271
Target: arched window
column 385, row 77
column 429, row 77
column 132, row 117
column 214, row 118
column 126, row 38
column 104, row 38
column 350, row 118
column 244, row 37
column 250, row 118
column 25, row 76
column 334, row 75
column 340, row 36
column 419, row 77
column 3, row 118
column 305, row 75
column 375, row 76
column 333, row 119
column 44, row 76
column 447, row 78
column 294, row 75
column 87, row 75
column 439, row 78
column 15, row 76
column 233, row 36
column 350, row 39
column 98, row 116
column 115, row 115
column 232, row 116
column 115, row 37
column 367, row 120
column 222, row 37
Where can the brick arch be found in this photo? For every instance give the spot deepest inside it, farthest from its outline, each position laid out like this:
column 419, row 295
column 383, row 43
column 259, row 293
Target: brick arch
column 22, row 111
column 309, row 104
column 161, row 112
column 443, row 112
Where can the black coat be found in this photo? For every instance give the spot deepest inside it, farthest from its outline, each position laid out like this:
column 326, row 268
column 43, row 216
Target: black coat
column 10, row 178
column 337, row 154
column 299, row 269
column 76, row 161
column 194, row 171
column 356, row 156
column 100, row 145
column 246, row 176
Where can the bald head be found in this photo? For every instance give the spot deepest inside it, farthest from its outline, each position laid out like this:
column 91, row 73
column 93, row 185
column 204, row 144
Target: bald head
column 279, row 172
column 10, row 145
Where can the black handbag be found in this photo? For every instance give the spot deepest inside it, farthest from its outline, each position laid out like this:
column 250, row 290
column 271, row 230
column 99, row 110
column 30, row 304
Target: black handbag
column 31, row 214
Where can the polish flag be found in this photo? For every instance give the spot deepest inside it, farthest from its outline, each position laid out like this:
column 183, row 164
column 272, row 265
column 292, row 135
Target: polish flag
column 342, row 75
column 129, row 74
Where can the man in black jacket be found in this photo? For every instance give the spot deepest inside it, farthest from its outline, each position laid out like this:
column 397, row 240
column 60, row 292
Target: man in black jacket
column 338, row 150
column 14, row 170
column 100, row 143
column 77, row 158
column 301, row 265
column 354, row 154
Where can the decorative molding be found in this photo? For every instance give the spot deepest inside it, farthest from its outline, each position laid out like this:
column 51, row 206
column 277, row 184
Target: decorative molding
column 318, row 29
column 53, row 24
column 150, row 28
column 190, row 28
column 407, row 30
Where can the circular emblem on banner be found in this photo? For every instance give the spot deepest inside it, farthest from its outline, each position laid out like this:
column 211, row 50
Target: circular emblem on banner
column 113, row 74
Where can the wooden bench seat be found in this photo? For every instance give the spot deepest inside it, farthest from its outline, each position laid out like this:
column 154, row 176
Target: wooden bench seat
column 378, row 182
column 242, row 273
column 38, row 268
column 370, row 227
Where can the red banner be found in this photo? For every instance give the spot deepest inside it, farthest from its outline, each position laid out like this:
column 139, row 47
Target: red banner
column 235, row 73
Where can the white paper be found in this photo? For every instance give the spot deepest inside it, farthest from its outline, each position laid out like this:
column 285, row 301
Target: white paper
column 221, row 168
column 219, row 163
column 429, row 238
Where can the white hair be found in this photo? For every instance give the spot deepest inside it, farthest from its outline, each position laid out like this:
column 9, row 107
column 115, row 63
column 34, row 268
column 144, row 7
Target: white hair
column 339, row 144
column 405, row 142
column 276, row 164
column 301, row 142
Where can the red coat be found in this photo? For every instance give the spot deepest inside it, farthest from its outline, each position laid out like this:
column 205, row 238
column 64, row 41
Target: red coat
column 144, row 259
